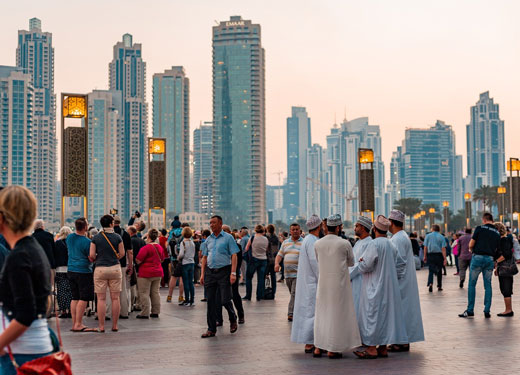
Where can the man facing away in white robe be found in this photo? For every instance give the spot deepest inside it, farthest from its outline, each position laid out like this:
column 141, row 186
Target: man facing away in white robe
column 407, row 283
column 380, row 313
column 335, row 325
column 302, row 331
column 361, row 230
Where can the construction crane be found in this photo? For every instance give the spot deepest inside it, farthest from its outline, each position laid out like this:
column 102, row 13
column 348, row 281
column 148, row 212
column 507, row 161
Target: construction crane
column 280, row 174
column 348, row 198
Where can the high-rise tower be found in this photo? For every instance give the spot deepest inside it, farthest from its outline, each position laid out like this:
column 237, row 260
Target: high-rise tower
column 485, row 144
column 239, row 122
column 35, row 55
column 171, row 120
column 128, row 74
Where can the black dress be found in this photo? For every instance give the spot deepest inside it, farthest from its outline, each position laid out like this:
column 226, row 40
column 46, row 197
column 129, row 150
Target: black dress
column 64, row 294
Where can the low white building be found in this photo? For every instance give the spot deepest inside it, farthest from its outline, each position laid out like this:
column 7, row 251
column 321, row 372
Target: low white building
column 197, row 221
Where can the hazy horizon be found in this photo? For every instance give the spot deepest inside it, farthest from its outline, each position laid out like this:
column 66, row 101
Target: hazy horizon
column 402, row 63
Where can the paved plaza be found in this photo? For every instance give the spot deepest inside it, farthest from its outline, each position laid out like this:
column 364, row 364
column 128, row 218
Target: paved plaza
column 172, row 343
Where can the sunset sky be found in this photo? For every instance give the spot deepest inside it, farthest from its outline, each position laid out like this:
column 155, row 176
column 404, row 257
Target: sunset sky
column 402, row 63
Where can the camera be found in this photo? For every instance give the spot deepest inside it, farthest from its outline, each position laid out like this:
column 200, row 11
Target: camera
column 137, row 214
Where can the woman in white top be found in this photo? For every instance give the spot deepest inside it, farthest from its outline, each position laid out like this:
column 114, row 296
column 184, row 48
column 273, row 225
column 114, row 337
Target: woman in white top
column 187, row 256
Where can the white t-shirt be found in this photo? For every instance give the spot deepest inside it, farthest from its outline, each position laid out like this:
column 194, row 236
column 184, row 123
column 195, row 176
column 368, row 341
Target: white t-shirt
column 35, row 340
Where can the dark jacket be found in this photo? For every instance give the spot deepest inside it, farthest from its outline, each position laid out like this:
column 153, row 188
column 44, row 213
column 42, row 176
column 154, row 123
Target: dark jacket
column 137, row 244
column 127, row 242
column 25, row 282
column 61, row 254
column 46, row 241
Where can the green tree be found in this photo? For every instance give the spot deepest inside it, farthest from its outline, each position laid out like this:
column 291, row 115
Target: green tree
column 487, row 195
column 409, row 206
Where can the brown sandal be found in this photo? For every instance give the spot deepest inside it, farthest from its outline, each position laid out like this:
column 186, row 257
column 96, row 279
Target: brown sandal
column 208, row 334
column 399, row 348
column 333, row 355
column 365, row 355
column 310, row 350
column 318, row 352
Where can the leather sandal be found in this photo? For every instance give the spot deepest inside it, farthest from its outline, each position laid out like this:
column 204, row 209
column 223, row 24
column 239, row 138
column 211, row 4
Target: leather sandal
column 310, row 350
column 208, row 334
column 398, row 348
column 365, row 355
column 317, row 353
column 333, row 355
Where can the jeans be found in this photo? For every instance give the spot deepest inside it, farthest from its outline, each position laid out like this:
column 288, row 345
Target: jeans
column 187, row 279
column 258, row 266
column 7, row 368
column 480, row 264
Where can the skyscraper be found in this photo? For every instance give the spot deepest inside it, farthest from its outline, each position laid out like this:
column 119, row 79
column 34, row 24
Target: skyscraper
column 485, row 144
column 35, row 55
column 298, row 141
column 239, row 122
column 427, row 166
column 342, row 157
column 317, row 182
column 16, row 128
column 171, row 120
column 203, row 169
column 127, row 73
column 105, row 154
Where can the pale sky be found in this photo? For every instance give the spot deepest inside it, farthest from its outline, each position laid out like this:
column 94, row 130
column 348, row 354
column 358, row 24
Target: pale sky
column 402, row 63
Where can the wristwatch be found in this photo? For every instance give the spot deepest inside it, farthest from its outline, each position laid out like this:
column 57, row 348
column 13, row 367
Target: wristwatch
column 234, row 273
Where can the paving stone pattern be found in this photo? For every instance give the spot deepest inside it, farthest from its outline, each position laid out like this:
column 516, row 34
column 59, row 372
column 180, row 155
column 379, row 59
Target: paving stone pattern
column 172, row 343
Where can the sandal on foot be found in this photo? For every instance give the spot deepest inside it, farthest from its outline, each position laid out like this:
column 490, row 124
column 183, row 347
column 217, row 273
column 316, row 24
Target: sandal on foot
column 398, row 348
column 317, row 353
column 365, row 355
column 332, row 355
column 310, row 350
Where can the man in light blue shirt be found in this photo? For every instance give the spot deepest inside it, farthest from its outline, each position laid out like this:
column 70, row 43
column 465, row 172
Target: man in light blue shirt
column 435, row 256
column 218, row 273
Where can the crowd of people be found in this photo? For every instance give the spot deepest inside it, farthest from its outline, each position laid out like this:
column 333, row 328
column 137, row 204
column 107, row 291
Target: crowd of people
column 345, row 293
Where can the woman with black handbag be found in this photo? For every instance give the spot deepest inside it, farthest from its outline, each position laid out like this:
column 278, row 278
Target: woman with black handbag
column 25, row 286
column 505, row 268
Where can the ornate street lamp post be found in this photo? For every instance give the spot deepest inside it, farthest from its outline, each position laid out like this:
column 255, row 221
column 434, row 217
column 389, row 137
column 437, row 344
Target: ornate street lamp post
column 467, row 208
column 446, row 205
column 432, row 216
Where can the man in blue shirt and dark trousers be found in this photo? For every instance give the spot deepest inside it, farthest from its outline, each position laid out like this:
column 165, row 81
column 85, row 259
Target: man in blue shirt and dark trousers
column 218, row 272
column 435, row 256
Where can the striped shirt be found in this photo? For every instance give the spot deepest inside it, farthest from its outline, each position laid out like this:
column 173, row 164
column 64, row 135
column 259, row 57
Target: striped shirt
column 290, row 252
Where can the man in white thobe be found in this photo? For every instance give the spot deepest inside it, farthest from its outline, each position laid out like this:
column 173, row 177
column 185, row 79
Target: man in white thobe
column 380, row 313
column 302, row 331
column 361, row 230
column 407, row 282
column 335, row 325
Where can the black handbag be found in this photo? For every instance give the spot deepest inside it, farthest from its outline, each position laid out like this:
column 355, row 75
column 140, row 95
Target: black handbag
column 507, row 268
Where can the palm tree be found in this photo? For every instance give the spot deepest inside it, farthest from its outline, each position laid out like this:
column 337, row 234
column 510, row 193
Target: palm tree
column 409, row 206
column 487, row 195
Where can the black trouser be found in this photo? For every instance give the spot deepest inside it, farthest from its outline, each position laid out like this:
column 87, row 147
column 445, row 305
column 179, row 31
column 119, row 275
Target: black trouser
column 218, row 289
column 272, row 275
column 237, row 301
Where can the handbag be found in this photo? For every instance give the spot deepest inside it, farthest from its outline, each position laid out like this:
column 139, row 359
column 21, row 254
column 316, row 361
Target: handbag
column 507, row 268
column 57, row 363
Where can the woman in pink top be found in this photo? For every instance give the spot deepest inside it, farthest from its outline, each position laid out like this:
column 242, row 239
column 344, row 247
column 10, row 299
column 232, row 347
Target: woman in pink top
column 150, row 259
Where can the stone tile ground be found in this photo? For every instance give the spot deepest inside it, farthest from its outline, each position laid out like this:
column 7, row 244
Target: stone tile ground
column 172, row 344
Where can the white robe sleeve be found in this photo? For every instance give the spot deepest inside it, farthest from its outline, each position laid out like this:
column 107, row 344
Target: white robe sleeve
column 400, row 263
column 369, row 260
column 313, row 261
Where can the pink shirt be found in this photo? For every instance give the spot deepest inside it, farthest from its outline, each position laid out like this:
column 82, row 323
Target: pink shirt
column 151, row 257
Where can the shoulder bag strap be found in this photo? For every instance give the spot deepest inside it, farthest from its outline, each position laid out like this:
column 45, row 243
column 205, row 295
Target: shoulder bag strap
column 110, row 243
column 157, row 252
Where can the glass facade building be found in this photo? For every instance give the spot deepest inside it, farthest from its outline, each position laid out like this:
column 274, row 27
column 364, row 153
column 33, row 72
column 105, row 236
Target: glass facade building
column 105, row 132
column 298, row 141
column 127, row 73
column 239, row 122
column 203, row 169
column 16, row 128
column 171, row 120
column 427, row 167
column 485, row 145
column 35, row 55
column 342, row 158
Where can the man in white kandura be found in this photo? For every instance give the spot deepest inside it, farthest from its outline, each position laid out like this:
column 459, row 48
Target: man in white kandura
column 305, row 299
column 361, row 230
column 407, row 283
column 380, row 313
column 335, row 325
